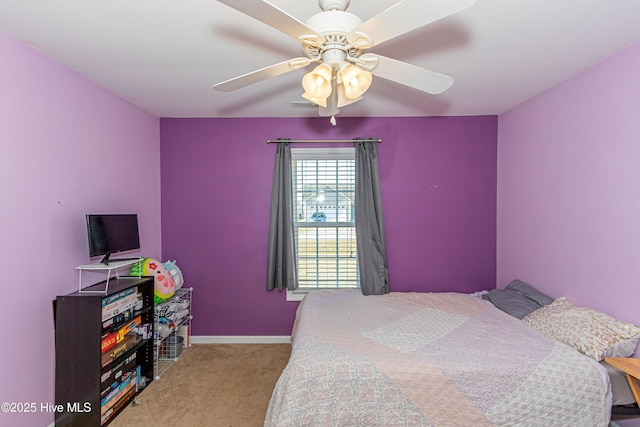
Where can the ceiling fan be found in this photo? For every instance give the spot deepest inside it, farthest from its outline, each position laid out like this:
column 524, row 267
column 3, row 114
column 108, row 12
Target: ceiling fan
column 337, row 40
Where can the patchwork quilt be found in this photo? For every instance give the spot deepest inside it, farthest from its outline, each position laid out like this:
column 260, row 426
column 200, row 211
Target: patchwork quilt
column 429, row 359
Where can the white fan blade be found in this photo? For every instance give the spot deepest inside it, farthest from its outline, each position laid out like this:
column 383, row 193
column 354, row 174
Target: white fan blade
column 273, row 16
column 409, row 75
column 408, row 15
column 262, row 74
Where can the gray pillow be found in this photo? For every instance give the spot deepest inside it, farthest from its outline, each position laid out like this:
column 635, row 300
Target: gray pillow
column 530, row 292
column 511, row 302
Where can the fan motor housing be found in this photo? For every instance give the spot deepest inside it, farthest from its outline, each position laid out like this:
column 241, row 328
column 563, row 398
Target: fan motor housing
column 334, row 22
column 333, row 56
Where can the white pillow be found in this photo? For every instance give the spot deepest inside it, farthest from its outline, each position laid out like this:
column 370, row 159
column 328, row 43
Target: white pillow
column 589, row 331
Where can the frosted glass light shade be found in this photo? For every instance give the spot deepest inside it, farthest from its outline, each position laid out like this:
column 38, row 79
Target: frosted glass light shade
column 356, row 81
column 317, row 83
column 343, row 100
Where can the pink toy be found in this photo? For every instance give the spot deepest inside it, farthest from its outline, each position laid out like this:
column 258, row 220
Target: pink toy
column 164, row 285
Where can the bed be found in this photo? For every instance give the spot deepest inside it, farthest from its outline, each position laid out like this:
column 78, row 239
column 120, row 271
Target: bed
column 430, row 359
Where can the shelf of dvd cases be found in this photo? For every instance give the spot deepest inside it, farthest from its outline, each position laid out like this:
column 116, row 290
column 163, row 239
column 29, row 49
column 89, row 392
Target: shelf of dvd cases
column 172, row 331
column 104, row 350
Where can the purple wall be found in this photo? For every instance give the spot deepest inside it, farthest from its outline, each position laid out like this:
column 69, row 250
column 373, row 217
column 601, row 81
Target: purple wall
column 68, row 147
column 569, row 189
column 438, row 180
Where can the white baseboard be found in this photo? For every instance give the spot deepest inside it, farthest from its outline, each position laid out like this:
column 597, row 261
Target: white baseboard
column 245, row 339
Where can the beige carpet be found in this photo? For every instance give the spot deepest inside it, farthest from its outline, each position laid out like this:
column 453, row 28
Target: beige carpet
column 212, row 385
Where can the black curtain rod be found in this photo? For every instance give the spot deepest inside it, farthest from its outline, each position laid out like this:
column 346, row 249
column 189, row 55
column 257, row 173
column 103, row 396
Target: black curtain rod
column 275, row 141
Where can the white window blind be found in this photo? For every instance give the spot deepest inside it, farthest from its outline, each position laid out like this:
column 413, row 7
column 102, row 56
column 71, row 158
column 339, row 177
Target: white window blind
column 324, row 217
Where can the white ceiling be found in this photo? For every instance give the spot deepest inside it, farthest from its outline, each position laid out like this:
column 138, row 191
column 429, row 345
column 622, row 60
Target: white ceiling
column 164, row 55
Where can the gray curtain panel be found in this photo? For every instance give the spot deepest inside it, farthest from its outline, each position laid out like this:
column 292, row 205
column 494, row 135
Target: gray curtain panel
column 372, row 246
column 281, row 261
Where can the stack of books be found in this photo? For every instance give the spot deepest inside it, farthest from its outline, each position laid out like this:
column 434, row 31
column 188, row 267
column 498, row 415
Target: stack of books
column 118, row 307
column 120, row 324
column 118, row 394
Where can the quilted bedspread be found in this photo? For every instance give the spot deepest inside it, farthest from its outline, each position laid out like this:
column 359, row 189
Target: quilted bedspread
column 429, row 359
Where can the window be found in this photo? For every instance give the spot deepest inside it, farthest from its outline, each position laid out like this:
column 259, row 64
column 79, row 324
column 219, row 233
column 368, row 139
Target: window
column 324, row 218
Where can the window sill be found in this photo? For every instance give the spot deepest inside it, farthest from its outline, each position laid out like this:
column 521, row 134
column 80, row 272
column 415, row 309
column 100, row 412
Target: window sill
column 296, row 295
column 299, row 294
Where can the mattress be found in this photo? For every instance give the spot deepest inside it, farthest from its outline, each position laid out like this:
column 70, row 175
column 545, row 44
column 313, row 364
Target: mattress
column 429, row 359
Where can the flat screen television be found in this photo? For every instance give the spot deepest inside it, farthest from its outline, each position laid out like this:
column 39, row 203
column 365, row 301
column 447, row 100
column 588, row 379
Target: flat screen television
column 112, row 233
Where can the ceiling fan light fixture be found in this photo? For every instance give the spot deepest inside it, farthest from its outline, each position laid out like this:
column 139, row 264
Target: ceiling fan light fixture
column 317, row 83
column 355, row 80
column 331, row 110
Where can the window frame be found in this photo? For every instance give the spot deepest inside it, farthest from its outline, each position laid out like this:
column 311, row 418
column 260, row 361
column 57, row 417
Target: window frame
column 315, row 153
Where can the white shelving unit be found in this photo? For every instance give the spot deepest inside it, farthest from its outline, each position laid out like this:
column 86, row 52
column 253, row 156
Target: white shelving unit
column 171, row 341
column 107, row 268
